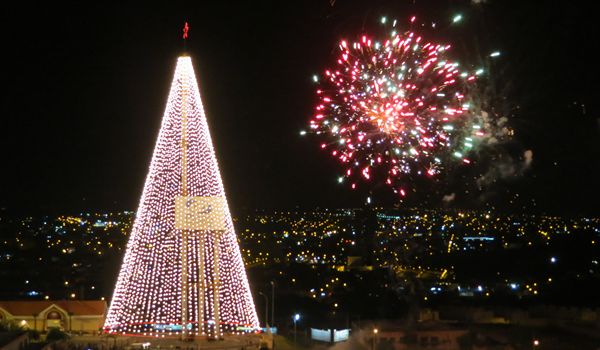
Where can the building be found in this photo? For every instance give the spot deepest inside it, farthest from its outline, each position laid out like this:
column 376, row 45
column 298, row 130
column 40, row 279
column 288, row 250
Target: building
column 398, row 336
column 77, row 316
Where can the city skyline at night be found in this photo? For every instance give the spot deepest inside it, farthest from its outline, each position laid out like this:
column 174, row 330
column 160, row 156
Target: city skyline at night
column 378, row 175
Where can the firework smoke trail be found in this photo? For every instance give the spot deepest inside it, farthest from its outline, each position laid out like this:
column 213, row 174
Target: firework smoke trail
column 395, row 107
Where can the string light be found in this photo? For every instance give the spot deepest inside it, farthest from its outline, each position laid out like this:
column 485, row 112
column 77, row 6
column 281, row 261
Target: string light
column 182, row 273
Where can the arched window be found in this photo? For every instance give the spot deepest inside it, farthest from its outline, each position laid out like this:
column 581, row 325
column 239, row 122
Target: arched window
column 54, row 319
column 53, row 315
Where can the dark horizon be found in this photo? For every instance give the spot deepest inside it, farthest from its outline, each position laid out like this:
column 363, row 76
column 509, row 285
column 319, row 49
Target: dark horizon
column 85, row 91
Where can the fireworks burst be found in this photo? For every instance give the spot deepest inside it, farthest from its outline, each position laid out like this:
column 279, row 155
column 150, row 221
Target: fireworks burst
column 396, row 107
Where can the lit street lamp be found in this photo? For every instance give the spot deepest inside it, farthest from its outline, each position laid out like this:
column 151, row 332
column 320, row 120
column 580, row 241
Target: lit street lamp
column 296, row 318
column 272, row 304
column 375, row 331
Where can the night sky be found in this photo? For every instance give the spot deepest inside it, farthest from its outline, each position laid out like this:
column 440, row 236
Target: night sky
column 84, row 91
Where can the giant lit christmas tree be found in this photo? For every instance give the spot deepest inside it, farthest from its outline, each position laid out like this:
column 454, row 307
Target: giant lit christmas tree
column 182, row 273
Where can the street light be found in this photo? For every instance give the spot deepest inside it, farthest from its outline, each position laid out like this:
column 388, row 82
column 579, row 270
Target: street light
column 272, row 304
column 266, row 309
column 296, row 318
column 375, row 331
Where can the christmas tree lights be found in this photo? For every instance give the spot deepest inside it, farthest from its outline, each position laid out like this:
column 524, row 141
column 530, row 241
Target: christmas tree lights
column 182, row 273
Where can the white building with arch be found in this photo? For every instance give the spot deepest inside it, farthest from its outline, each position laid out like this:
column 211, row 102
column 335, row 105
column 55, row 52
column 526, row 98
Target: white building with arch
column 76, row 316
